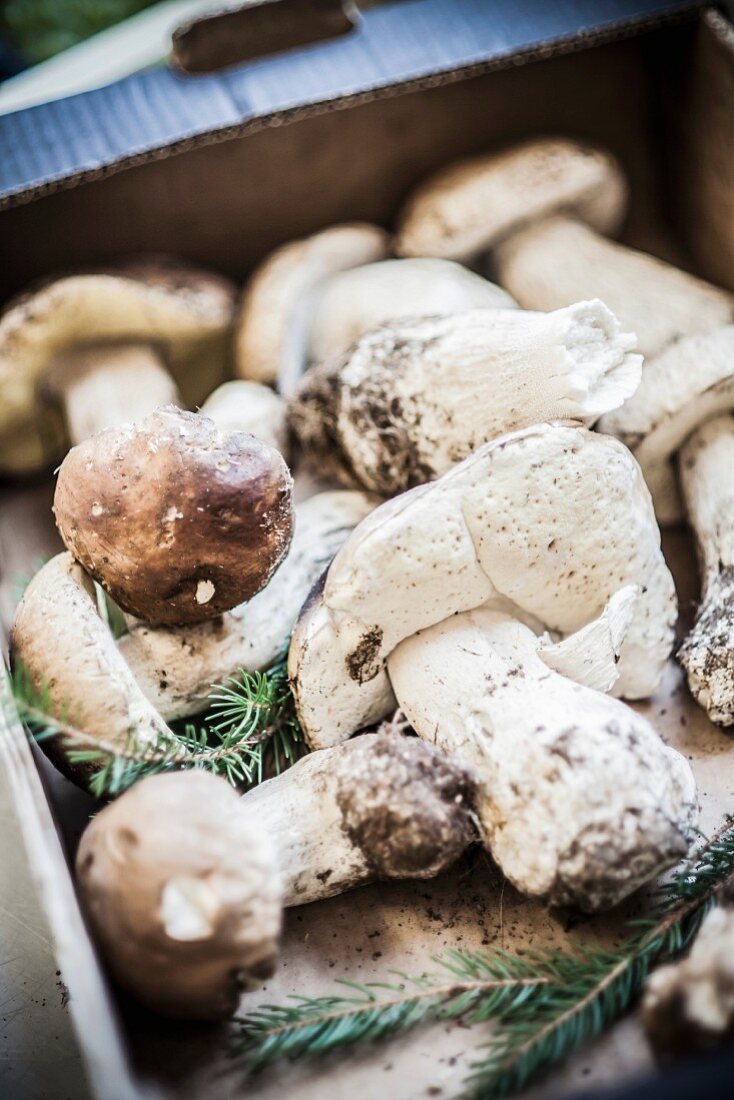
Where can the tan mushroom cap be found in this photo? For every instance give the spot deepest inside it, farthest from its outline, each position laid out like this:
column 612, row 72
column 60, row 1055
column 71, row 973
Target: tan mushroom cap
column 471, row 205
column 271, row 329
column 186, row 312
column 177, row 520
column 180, row 884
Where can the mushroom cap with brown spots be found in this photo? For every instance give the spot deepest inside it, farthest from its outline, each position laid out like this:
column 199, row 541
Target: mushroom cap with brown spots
column 177, row 520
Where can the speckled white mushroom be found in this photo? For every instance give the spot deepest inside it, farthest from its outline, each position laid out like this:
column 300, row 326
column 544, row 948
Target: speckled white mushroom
column 70, row 656
column 377, row 807
column 270, row 333
column 580, row 800
column 367, row 297
column 688, row 1006
column 555, row 519
column 103, row 348
column 175, row 667
column 180, row 883
column 542, row 210
column 412, row 399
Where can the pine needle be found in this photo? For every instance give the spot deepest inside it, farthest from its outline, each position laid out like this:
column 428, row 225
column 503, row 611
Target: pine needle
column 544, row 1006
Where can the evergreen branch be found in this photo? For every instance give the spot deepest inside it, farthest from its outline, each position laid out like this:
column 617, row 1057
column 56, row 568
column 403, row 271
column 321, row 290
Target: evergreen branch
column 529, row 1043
column 544, row 1005
column 250, row 732
column 316, row 1025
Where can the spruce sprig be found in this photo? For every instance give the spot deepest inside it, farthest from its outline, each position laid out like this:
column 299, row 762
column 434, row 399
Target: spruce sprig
column 544, row 1006
column 472, row 987
column 249, row 731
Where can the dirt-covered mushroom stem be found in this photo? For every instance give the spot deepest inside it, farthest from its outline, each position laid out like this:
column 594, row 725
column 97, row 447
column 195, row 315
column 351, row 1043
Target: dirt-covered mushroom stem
column 180, row 885
column 580, row 800
column 380, row 806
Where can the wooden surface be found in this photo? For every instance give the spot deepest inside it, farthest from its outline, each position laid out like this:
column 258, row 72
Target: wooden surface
column 397, row 926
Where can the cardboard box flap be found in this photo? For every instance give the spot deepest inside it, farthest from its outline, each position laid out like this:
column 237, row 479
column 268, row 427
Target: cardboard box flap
column 155, row 113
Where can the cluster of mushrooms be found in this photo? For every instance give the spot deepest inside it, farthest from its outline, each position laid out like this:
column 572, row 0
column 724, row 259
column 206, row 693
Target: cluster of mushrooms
column 489, row 567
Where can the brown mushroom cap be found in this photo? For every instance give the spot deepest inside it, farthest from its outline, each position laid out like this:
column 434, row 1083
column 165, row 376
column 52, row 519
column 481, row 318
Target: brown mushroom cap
column 185, row 312
column 177, row 520
column 180, row 884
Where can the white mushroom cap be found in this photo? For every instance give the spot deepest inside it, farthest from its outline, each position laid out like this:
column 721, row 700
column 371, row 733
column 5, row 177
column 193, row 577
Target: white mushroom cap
column 412, row 399
column 553, row 518
column 376, row 807
column 471, row 205
column 69, row 654
column 180, row 883
column 241, row 406
column 175, row 667
column 580, row 801
column 690, row 382
column 364, row 298
column 558, row 261
column 278, row 301
column 185, row 312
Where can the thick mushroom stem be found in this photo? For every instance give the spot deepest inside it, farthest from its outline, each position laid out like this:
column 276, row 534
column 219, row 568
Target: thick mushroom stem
column 70, row 657
column 377, row 807
column 181, row 886
column 580, row 801
column 557, row 261
column 411, row 399
column 175, row 667
column 707, row 654
column 106, row 386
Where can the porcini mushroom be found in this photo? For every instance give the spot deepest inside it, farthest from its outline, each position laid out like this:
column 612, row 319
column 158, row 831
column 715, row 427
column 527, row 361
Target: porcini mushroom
column 183, row 882
column 377, row 807
column 541, row 209
column 580, row 800
column 242, row 406
column 313, row 298
column 270, row 331
column 688, row 1006
column 180, row 885
column 554, row 519
column 177, row 520
column 101, row 348
column 411, row 399
column 357, row 301
column 175, row 667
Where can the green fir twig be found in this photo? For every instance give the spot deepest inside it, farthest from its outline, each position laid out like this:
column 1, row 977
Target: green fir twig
column 249, row 732
column 544, row 1006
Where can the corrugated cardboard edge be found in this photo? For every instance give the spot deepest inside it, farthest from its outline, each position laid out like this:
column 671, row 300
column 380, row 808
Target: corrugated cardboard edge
column 90, row 1004
column 575, row 43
